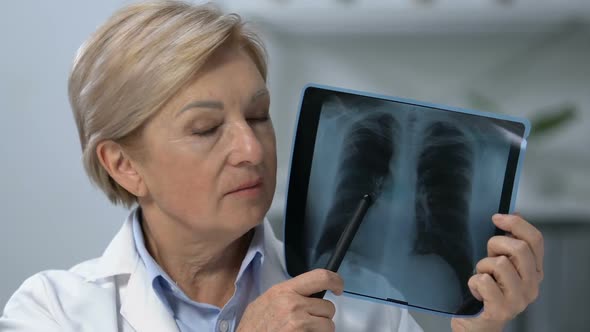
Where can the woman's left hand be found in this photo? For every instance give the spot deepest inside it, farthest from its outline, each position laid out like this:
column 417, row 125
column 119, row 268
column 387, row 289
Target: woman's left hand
column 507, row 281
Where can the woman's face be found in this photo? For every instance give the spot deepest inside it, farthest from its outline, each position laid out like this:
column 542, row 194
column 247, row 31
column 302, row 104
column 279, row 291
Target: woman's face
column 210, row 159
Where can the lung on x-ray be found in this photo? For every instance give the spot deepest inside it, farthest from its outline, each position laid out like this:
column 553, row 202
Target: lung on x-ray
column 439, row 174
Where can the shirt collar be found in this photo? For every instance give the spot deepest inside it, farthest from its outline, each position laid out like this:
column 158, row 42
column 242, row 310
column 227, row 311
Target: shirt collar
column 155, row 272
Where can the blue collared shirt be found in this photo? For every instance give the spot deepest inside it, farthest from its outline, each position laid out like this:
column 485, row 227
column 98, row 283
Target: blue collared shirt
column 195, row 316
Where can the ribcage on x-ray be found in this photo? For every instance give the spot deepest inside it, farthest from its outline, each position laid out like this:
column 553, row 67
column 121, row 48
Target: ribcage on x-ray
column 443, row 189
column 365, row 160
column 442, row 162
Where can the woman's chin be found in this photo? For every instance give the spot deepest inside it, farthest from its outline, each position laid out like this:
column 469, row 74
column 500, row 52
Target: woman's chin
column 250, row 208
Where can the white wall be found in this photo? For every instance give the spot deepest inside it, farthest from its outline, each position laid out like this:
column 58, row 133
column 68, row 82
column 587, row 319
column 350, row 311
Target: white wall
column 50, row 216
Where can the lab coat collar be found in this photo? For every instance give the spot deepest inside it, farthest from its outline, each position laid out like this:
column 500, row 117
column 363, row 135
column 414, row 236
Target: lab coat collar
column 120, row 256
column 140, row 305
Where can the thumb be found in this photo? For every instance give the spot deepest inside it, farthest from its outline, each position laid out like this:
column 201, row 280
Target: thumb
column 315, row 281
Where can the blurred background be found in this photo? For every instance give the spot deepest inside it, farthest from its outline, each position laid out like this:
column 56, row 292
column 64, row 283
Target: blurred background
column 527, row 58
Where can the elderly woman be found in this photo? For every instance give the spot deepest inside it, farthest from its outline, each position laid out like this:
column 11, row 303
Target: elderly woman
column 172, row 109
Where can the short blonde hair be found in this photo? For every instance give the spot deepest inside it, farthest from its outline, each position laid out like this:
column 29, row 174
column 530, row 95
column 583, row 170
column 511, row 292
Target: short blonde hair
column 133, row 64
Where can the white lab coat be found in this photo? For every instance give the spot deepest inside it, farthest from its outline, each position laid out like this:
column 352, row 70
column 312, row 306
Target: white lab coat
column 113, row 293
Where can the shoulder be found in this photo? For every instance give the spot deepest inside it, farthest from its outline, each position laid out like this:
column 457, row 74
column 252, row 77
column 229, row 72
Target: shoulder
column 84, row 269
column 52, row 282
column 46, row 300
column 36, row 302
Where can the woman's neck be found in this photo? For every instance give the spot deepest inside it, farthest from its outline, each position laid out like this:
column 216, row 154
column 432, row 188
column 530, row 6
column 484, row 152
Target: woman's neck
column 204, row 269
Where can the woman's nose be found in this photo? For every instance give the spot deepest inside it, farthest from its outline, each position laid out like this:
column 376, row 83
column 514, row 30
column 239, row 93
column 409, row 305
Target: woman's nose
column 246, row 147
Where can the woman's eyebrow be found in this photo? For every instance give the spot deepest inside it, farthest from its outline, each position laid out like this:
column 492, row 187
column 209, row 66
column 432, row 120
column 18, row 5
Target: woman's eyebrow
column 215, row 104
column 259, row 94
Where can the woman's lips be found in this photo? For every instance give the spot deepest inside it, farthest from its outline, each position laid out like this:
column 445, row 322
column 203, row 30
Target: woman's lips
column 249, row 188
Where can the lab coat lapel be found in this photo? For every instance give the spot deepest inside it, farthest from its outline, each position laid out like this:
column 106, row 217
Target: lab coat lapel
column 120, row 257
column 141, row 307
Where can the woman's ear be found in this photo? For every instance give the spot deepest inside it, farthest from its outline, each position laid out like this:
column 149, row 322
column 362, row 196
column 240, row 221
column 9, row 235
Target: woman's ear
column 121, row 168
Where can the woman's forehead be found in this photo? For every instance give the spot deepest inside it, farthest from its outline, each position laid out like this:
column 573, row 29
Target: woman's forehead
column 231, row 74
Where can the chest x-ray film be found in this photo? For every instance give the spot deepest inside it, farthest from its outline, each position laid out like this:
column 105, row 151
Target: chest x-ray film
column 439, row 174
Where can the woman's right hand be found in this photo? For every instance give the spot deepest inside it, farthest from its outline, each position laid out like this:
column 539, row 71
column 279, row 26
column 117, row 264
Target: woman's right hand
column 288, row 307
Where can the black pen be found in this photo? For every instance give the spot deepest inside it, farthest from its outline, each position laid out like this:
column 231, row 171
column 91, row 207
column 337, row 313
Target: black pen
column 347, row 237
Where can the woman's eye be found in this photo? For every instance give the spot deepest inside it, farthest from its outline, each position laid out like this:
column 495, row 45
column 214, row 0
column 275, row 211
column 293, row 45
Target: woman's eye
column 206, row 132
column 259, row 119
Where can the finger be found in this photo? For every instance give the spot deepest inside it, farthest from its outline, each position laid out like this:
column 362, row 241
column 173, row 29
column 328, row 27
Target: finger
column 320, row 307
column 488, row 289
column 523, row 230
column 504, row 273
column 314, row 323
column 492, row 296
column 472, row 286
column 316, row 281
column 518, row 252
